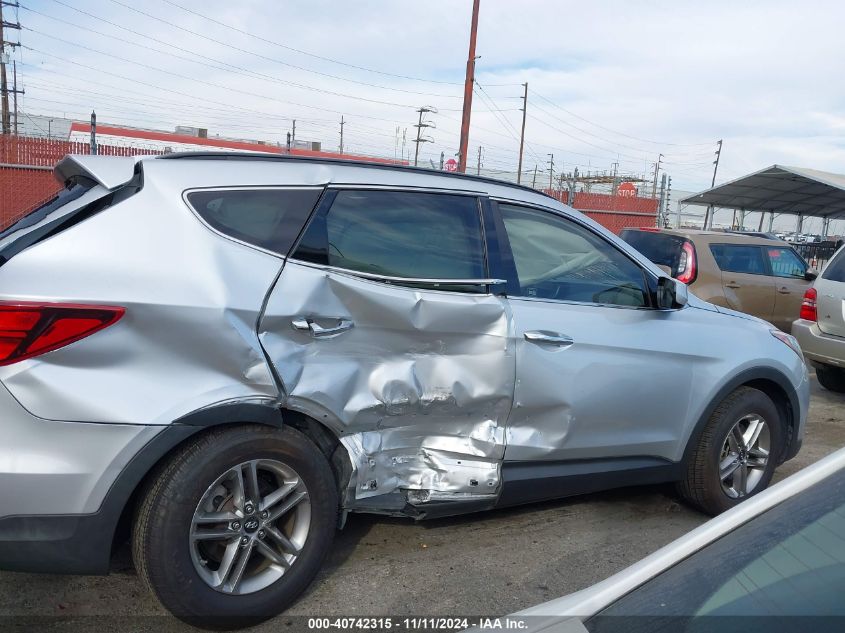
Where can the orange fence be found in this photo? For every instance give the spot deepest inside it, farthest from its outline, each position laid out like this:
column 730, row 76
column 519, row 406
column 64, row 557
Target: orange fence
column 26, row 181
column 613, row 212
column 26, row 170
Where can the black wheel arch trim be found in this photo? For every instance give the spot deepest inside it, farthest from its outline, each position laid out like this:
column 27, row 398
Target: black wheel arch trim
column 745, row 377
column 82, row 543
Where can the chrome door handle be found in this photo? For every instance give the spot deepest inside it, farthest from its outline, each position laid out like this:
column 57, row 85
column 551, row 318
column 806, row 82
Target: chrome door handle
column 732, row 284
column 549, row 338
column 784, row 290
column 303, row 324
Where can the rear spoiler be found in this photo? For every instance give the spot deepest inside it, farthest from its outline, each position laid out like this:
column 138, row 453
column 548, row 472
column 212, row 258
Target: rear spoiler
column 109, row 171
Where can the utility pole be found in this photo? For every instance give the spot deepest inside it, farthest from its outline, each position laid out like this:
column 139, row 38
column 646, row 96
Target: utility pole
column 615, row 180
column 551, row 170
column 15, row 91
column 342, row 123
column 708, row 216
column 669, row 200
column 468, row 85
column 293, row 134
column 420, row 139
column 656, row 170
column 288, row 143
column 442, row 159
column 522, row 133
column 661, row 213
column 93, row 150
column 534, row 182
column 5, row 119
column 478, row 168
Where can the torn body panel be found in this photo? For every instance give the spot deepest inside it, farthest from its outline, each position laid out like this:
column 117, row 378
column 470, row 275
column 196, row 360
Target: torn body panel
column 418, row 388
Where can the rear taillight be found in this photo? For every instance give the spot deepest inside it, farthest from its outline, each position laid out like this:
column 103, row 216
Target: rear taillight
column 687, row 264
column 32, row 329
column 808, row 306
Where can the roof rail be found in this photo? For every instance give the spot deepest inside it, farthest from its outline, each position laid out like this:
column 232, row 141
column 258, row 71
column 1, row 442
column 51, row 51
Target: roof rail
column 259, row 156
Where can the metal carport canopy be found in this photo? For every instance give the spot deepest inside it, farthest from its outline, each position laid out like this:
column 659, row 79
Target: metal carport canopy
column 780, row 189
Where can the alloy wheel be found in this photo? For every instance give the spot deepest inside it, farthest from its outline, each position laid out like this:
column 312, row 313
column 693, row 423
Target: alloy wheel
column 249, row 526
column 744, row 457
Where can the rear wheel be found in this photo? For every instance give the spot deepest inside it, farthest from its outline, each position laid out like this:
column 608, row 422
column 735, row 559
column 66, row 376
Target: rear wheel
column 736, row 454
column 236, row 525
column 831, row 378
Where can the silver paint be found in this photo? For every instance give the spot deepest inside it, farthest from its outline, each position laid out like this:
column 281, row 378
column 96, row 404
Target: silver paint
column 420, row 388
column 428, row 391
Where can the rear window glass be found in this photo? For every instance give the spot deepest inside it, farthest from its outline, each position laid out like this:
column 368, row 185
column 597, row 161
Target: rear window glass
column 738, row 258
column 835, row 271
column 660, row 248
column 267, row 218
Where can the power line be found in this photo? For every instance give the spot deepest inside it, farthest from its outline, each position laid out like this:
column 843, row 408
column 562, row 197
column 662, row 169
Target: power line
column 214, row 85
column 606, row 129
column 65, row 60
column 296, row 50
column 216, row 41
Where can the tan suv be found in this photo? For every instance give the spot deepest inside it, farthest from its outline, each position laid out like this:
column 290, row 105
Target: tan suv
column 765, row 278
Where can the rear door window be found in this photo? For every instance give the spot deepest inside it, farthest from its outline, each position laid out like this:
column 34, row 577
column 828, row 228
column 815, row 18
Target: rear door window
column 739, row 258
column 399, row 234
column 660, row 248
column 268, row 218
column 786, row 263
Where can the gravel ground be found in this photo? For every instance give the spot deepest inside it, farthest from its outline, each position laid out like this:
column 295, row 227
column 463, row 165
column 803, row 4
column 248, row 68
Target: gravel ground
column 490, row 563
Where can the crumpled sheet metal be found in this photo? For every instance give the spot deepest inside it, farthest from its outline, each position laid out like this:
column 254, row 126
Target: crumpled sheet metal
column 418, row 390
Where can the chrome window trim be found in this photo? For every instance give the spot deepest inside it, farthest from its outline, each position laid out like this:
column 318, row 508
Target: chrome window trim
column 396, row 281
column 255, row 247
column 587, row 303
column 339, row 186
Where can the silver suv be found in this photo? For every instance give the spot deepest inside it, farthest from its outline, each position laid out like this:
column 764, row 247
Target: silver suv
column 221, row 356
column 820, row 327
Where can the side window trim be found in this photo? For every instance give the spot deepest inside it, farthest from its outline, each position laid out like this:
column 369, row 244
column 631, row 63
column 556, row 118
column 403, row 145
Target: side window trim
column 649, row 282
column 322, row 209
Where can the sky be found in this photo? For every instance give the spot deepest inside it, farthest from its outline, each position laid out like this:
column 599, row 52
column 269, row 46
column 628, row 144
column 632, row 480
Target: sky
column 609, row 82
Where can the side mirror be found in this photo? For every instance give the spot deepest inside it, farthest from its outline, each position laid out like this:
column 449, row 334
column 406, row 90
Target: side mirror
column 811, row 274
column 671, row 294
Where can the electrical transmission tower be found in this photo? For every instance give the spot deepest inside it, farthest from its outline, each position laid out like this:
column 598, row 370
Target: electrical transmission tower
column 420, row 125
column 5, row 116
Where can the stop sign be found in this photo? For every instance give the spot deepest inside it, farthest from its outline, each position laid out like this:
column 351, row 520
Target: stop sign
column 451, row 165
column 627, row 190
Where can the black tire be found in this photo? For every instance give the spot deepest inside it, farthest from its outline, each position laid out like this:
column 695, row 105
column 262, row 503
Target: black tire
column 831, row 378
column 702, row 484
column 160, row 540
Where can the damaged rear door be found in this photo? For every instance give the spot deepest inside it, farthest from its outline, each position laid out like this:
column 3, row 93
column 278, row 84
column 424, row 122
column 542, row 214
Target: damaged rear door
column 383, row 327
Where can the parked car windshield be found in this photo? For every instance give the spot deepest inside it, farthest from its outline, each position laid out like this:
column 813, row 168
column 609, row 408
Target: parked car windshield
column 660, row 248
column 789, row 561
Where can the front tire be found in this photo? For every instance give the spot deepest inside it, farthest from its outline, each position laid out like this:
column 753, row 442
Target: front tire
column 736, row 454
column 831, row 378
column 236, row 525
